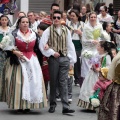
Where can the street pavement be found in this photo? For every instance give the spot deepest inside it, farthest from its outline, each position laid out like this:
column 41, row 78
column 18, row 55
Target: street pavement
column 42, row 114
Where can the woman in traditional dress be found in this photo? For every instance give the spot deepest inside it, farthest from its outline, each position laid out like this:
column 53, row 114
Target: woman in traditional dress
column 104, row 16
column 99, row 61
column 110, row 106
column 20, row 14
column 107, row 31
column 24, row 83
column 4, row 30
column 90, row 37
column 76, row 26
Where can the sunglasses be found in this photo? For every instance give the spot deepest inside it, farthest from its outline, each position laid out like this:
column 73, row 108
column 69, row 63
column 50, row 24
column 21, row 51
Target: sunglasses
column 54, row 17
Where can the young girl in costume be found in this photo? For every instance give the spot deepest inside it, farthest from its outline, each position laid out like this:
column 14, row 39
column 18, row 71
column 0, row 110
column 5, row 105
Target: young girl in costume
column 103, row 82
column 99, row 88
column 4, row 31
column 103, row 60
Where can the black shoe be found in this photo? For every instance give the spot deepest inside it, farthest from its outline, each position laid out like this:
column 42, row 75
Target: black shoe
column 19, row 110
column 76, row 84
column 27, row 110
column 68, row 111
column 51, row 109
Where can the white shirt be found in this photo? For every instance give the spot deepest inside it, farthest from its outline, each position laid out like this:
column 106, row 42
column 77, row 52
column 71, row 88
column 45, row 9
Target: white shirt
column 108, row 59
column 34, row 26
column 105, row 36
column 108, row 18
column 70, row 47
column 76, row 27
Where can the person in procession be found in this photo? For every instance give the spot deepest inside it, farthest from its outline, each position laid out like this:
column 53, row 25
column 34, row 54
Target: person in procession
column 61, row 55
column 24, row 84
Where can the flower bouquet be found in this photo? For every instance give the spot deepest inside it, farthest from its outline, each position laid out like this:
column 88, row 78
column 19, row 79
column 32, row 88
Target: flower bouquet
column 95, row 102
column 94, row 99
column 87, row 54
column 5, row 41
column 95, row 61
column 96, row 34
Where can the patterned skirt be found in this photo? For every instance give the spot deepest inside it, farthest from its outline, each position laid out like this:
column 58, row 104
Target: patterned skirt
column 2, row 73
column 85, row 105
column 13, row 89
column 110, row 105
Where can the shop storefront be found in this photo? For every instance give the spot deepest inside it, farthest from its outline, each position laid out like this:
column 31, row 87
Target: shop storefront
column 32, row 5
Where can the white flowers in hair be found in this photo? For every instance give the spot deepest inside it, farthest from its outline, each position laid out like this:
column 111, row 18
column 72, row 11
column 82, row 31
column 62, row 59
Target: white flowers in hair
column 87, row 54
column 95, row 102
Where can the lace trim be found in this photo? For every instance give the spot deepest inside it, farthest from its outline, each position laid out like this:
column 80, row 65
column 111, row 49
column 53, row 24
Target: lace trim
column 32, row 86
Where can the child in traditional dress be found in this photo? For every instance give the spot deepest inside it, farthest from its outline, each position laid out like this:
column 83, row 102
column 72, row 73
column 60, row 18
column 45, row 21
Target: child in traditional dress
column 100, row 85
column 103, row 82
column 44, row 64
column 103, row 60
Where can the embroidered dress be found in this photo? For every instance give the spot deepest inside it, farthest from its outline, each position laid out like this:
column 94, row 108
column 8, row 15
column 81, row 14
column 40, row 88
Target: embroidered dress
column 2, row 62
column 87, row 87
column 24, row 83
column 89, row 34
column 110, row 105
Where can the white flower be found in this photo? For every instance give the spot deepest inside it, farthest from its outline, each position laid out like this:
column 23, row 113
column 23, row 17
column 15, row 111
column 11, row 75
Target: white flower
column 87, row 54
column 95, row 102
column 5, row 41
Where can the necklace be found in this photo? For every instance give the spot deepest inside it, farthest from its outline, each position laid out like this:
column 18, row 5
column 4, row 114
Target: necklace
column 24, row 33
column 26, row 41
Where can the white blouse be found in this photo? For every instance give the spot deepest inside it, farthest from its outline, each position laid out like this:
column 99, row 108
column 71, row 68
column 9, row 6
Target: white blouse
column 50, row 52
column 108, row 18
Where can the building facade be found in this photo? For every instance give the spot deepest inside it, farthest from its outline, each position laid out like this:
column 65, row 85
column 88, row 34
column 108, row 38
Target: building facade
column 38, row 5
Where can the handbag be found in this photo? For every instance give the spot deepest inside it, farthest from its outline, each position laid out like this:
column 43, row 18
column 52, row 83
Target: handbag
column 94, row 99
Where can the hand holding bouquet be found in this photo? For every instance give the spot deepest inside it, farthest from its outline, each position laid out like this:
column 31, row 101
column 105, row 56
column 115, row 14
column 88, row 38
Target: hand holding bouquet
column 95, row 61
column 94, row 99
